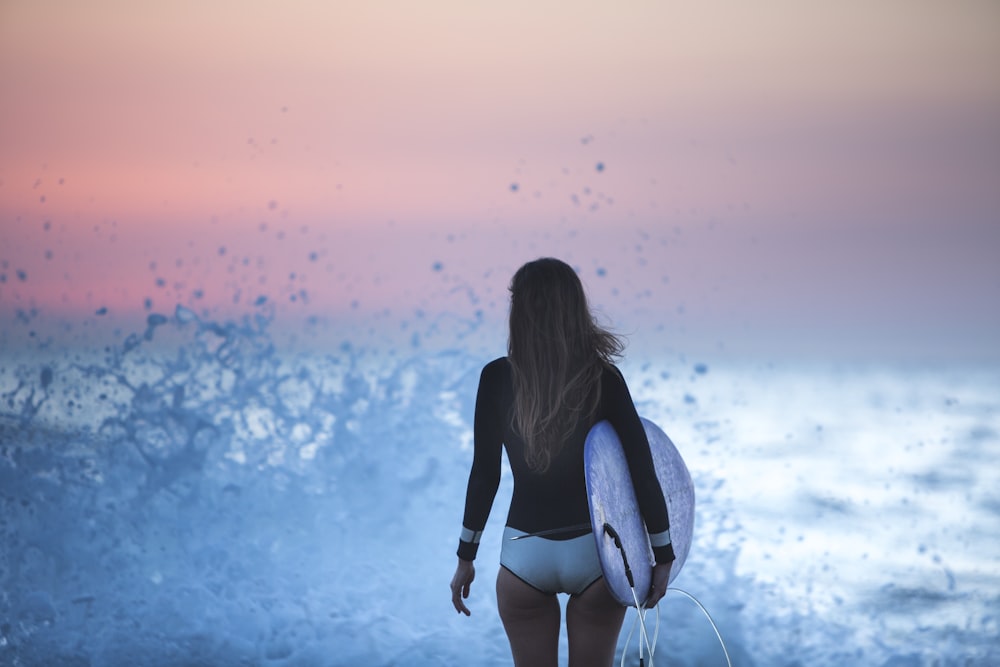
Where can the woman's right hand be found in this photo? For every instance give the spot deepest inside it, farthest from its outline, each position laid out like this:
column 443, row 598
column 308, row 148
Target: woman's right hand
column 460, row 585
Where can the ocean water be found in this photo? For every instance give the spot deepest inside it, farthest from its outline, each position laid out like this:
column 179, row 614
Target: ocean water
column 198, row 493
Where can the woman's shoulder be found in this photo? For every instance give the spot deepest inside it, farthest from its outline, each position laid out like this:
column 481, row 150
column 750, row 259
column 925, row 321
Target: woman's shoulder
column 498, row 368
column 500, row 363
column 612, row 374
column 495, row 375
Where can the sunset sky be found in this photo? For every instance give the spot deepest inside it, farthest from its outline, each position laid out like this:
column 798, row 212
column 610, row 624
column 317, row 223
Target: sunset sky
column 741, row 173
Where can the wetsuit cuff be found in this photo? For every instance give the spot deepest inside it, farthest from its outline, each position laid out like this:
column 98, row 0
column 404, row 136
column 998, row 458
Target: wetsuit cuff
column 468, row 543
column 467, row 550
column 660, row 539
column 664, row 554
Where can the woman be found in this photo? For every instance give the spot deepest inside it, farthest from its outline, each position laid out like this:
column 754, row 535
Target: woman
column 539, row 402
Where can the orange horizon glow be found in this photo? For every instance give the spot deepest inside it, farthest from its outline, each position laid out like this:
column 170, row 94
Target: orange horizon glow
column 706, row 156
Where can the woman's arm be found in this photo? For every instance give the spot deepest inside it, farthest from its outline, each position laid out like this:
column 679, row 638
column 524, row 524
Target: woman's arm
column 624, row 418
column 484, row 478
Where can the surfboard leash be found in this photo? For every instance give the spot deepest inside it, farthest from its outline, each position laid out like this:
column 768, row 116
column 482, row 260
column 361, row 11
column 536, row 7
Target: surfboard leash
column 644, row 636
column 640, row 620
column 613, row 534
column 709, row 617
column 641, row 611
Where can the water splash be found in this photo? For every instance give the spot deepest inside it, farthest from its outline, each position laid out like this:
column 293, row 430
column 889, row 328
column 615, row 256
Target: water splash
column 198, row 491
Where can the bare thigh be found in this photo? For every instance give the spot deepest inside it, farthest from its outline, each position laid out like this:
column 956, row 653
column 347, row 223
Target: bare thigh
column 593, row 623
column 531, row 619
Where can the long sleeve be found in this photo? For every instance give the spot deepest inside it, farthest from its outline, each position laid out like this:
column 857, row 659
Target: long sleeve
column 484, row 478
column 652, row 505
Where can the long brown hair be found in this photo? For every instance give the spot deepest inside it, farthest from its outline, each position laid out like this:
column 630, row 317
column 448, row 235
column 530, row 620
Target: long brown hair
column 557, row 352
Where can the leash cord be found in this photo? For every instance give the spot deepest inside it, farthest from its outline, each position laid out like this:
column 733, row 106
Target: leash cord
column 641, row 611
column 709, row 617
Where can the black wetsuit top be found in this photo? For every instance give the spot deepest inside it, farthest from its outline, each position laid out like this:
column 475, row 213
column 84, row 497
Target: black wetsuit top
column 556, row 498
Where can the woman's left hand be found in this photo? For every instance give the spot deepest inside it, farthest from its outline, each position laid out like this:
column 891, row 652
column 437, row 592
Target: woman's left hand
column 461, row 584
column 661, row 577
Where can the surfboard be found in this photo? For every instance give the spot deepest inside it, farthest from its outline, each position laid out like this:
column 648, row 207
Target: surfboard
column 613, row 501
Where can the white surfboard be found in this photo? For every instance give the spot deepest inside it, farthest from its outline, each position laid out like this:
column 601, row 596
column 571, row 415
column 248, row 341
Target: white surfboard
column 613, row 502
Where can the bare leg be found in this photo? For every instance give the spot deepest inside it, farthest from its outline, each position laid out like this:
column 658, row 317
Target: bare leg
column 531, row 619
column 593, row 622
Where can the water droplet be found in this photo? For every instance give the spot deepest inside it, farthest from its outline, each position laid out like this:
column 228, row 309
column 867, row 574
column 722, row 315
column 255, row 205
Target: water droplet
column 184, row 315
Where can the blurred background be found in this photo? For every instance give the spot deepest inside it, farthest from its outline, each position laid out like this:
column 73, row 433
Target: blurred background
column 254, row 254
column 806, row 178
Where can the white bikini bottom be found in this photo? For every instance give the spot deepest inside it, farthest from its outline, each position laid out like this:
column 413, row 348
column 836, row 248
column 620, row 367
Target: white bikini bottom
column 551, row 566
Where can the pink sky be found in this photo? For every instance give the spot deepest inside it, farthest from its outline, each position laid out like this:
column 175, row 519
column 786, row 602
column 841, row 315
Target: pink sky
column 768, row 167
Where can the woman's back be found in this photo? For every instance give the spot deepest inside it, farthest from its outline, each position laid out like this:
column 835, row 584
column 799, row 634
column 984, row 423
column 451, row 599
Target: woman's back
column 555, row 498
